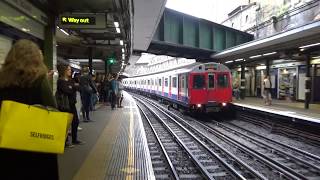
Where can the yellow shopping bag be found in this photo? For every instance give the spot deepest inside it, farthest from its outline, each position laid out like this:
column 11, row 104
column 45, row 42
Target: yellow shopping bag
column 32, row 128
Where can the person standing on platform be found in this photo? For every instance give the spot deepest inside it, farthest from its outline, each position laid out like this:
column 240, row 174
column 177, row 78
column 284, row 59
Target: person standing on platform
column 120, row 94
column 86, row 90
column 23, row 78
column 236, row 89
column 267, row 90
column 114, row 91
column 66, row 85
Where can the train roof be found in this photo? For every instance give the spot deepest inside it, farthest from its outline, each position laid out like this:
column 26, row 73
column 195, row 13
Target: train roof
column 194, row 67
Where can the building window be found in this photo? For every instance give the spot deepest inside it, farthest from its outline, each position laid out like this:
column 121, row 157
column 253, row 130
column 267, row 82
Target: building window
column 247, row 17
column 232, row 25
column 166, row 82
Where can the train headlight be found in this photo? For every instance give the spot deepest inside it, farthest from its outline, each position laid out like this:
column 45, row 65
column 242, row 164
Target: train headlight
column 199, row 105
column 224, row 104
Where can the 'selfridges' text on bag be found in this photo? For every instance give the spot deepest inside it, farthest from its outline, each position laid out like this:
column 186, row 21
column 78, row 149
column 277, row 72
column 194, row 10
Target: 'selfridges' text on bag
column 41, row 135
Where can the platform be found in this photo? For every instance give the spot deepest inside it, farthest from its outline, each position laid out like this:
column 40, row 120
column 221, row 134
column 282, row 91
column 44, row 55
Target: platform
column 115, row 148
column 283, row 107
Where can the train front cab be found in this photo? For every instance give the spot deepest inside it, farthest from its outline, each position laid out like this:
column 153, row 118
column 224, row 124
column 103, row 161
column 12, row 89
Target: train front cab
column 209, row 91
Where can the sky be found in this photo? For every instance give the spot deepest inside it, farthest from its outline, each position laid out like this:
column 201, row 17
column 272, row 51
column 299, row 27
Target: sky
column 212, row 10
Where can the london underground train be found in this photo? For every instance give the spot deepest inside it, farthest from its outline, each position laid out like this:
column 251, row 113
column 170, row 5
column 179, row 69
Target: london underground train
column 201, row 87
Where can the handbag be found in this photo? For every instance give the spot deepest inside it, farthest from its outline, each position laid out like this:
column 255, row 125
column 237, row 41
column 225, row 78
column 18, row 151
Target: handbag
column 32, row 128
column 62, row 102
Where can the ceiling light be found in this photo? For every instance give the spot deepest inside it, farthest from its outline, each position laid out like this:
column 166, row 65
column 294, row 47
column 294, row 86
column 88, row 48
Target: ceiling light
column 64, row 32
column 251, row 57
column 122, row 50
column 316, row 57
column 118, row 30
column 267, row 54
column 121, row 42
column 86, row 60
column 228, row 62
column 116, row 24
column 310, row 45
column 237, row 60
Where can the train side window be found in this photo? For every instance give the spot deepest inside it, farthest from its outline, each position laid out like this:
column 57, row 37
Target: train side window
column 166, row 82
column 210, row 80
column 198, row 82
column 182, row 81
column 223, row 80
column 174, row 82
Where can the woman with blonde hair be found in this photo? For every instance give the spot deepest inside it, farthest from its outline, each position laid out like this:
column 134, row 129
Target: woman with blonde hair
column 23, row 78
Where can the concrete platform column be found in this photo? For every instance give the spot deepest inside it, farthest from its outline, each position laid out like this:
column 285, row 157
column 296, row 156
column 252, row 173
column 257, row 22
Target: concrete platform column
column 50, row 49
column 308, row 83
column 243, row 82
column 268, row 67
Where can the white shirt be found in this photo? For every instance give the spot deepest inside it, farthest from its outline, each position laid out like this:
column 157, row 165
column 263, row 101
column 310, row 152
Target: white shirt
column 267, row 83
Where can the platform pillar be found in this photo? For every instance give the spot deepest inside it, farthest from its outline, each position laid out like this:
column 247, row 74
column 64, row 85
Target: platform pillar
column 268, row 67
column 243, row 82
column 307, row 83
column 50, row 49
column 90, row 59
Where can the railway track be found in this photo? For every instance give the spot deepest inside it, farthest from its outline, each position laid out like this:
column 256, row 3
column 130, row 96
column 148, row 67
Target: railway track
column 271, row 159
column 211, row 160
column 278, row 128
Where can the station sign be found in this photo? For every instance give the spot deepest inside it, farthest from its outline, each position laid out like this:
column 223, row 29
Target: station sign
column 75, row 20
column 82, row 21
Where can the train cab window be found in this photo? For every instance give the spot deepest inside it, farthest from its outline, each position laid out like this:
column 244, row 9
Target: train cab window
column 223, row 80
column 198, row 82
column 210, row 80
column 166, row 82
column 174, row 82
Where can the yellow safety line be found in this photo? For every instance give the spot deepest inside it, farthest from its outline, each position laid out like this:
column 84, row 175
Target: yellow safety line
column 130, row 162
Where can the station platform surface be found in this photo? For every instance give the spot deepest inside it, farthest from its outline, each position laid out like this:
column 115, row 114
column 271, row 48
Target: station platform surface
column 287, row 108
column 115, row 147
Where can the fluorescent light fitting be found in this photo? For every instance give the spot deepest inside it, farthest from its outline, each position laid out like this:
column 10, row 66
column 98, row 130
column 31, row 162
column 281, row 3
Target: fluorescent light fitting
column 118, row 30
column 121, row 42
column 251, row 57
column 310, row 45
column 228, row 62
column 86, row 60
column 65, row 32
column 267, row 54
column 316, row 57
column 116, row 24
column 122, row 50
column 237, row 60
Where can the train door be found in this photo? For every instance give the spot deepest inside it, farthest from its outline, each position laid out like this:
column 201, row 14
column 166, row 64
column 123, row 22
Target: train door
column 179, row 87
column 211, row 83
column 198, row 89
column 162, row 90
column 170, row 87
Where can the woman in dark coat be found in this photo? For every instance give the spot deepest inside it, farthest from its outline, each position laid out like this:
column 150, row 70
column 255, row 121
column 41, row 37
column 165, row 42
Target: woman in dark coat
column 23, row 78
column 66, row 85
column 87, row 88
